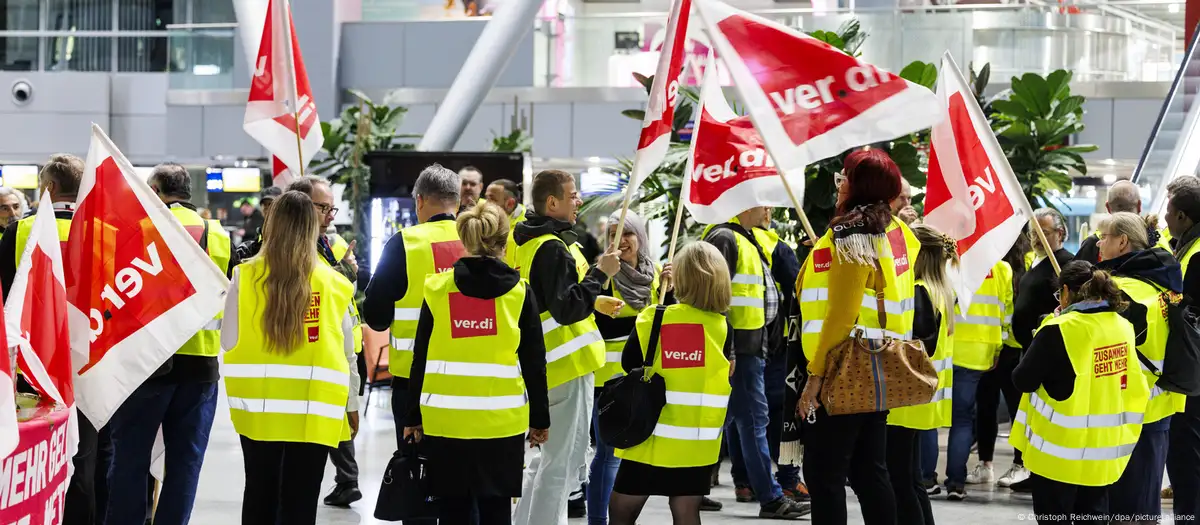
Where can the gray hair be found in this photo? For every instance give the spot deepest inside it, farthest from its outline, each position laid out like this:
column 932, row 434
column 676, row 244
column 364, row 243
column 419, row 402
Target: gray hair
column 305, row 184
column 635, row 224
column 439, row 184
column 23, row 206
column 1124, row 196
column 172, row 180
column 1182, row 181
column 1056, row 216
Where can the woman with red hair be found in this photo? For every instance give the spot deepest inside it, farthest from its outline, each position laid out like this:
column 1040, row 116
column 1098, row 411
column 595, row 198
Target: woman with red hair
column 837, row 296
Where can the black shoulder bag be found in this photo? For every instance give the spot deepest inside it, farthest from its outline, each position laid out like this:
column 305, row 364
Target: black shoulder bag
column 404, row 494
column 1181, row 364
column 629, row 406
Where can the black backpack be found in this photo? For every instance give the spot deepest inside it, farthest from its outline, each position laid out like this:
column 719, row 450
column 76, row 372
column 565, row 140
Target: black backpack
column 629, row 406
column 1181, row 364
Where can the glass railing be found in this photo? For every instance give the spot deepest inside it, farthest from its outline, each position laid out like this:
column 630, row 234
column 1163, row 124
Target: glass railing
column 202, row 55
column 1172, row 149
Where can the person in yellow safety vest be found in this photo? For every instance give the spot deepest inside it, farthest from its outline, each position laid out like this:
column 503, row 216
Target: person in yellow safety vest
column 1123, row 196
column 864, row 241
column 339, row 255
column 638, row 285
column 507, row 195
column 1085, row 398
column 997, row 380
column 1148, row 277
column 694, row 359
column 933, row 324
column 1183, row 449
column 567, row 293
column 181, row 398
column 289, row 369
column 478, row 385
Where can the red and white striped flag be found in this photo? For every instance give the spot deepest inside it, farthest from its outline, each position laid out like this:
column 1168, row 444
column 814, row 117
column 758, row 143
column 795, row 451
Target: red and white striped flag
column 664, row 94
column 972, row 193
column 281, row 113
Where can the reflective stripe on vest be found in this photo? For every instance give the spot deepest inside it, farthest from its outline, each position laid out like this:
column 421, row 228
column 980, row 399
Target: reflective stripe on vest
column 429, row 248
column 25, row 228
column 979, row 333
column 614, row 346
column 298, row 396
column 747, row 310
column 473, row 387
column 1087, row 438
column 1154, row 348
column 691, row 362
column 937, row 412
column 575, row 349
column 897, row 250
column 206, row 342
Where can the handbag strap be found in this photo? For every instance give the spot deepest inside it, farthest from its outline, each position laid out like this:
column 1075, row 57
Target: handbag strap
column 659, row 310
column 879, row 287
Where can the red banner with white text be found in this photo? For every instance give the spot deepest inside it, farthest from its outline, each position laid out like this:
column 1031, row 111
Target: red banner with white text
column 33, row 479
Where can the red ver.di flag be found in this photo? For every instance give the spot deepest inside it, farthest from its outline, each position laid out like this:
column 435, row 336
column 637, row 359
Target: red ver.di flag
column 9, row 434
column 972, row 193
column 810, row 100
column 281, row 105
column 664, row 93
column 729, row 168
column 138, row 285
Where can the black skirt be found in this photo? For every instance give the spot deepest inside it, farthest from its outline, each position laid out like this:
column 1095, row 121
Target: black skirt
column 486, row 467
column 640, row 479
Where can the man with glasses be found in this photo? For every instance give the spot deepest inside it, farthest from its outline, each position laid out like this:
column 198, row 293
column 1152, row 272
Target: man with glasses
column 341, row 257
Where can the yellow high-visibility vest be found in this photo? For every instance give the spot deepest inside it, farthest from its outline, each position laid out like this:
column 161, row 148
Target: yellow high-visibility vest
column 747, row 311
column 979, row 334
column 897, row 253
column 571, row 350
column 613, row 346
column 473, row 387
column 206, row 342
column 1162, row 403
column 298, row 397
column 1086, row 439
column 692, row 363
column 25, row 228
column 429, row 248
column 510, row 251
column 936, row 413
column 338, row 246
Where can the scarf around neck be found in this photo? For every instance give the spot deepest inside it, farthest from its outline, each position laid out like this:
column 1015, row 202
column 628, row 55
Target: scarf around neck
column 633, row 282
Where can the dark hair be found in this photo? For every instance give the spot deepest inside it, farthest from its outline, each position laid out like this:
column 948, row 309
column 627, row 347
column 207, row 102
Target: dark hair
column 305, row 184
column 172, row 180
column 1086, row 282
column 1182, row 181
column 873, row 180
column 65, row 171
column 548, row 183
column 511, row 188
column 270, row 192
column 1016, row 259
column 1186, row 199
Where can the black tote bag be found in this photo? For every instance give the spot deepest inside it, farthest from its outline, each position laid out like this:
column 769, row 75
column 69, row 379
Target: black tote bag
column 629, row 406
column 404, row 494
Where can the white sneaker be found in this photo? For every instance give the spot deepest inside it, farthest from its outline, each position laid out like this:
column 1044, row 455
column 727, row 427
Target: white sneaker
column 982, row 474
column 1015, row 474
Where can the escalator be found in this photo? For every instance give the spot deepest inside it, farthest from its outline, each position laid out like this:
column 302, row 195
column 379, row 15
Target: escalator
column 1173, row 148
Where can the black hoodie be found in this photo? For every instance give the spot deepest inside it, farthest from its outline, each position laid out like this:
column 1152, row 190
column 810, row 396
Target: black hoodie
column 552, row 277
column 1156, row 266
column 488, row 278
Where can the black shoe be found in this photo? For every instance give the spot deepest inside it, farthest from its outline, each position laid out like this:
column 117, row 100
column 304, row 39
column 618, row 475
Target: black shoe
column 343, row 495
column 1022, row 486
column 956, row 493
column 784, row 509
column 577, row 508
column 931, row 487
column 708, row 504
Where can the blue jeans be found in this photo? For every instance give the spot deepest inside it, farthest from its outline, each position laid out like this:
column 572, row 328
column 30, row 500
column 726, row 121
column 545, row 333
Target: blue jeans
column 927, row 440
column 775, row 379
column 601, row 475
column 962, row 425
column 748, row 413
column 185, row 413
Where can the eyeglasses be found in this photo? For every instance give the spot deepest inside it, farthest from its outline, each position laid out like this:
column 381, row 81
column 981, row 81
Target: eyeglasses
column 1058, row 295
column 838, row 180
column 325, row 209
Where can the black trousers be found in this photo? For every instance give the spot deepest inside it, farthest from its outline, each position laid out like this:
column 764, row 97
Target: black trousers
column 80, row 505
column 904, row 468
column 1058, row 502
column 850, row 446
column 1183, row 462
column 399, row 411
column 995, row 382
column 463, row 511
column 283, row 482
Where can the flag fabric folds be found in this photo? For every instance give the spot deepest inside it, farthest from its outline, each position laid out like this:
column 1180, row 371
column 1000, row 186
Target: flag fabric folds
column 655, row 138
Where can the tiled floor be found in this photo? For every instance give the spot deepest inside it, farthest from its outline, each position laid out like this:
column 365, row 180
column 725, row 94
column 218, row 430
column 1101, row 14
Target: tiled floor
column 221, row 482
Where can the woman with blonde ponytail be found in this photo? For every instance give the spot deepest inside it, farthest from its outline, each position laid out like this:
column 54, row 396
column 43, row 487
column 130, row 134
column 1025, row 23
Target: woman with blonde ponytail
column 933, row 324
column 478, row 386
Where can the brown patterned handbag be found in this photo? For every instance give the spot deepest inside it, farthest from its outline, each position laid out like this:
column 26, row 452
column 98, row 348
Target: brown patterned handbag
column 872, row 375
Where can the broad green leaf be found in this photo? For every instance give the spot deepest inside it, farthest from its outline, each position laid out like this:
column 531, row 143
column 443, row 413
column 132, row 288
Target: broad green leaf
column 635, row 114
column 1068, row 106
column 1058, row 84
column 1012, row 108
column 1034, row 93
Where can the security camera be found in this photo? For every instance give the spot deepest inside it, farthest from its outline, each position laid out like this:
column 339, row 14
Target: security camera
column 22, row 92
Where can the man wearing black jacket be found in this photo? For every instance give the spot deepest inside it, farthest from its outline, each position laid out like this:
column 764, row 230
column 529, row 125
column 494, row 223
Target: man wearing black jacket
column 1035, row 295
column 1183, row 449
column 548, row 256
